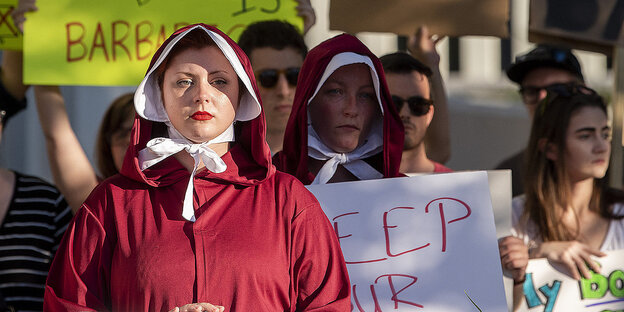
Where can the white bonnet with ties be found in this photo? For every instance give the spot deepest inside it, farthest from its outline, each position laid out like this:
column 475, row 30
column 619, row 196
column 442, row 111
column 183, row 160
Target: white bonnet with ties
column 147, row 98
column 149, row 105
column 352, row 161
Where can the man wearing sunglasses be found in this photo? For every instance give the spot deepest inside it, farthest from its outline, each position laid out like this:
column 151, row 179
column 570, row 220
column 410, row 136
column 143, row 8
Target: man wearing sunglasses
column 276, row 51
column 543, row 67
column 409, row 82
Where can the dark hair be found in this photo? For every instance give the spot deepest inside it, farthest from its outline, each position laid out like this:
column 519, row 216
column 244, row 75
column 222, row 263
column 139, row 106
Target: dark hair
column 119, row 111
column 403, row 63
column 548, row 189
column 196, row 39
column 272, row 34
column 9, row 105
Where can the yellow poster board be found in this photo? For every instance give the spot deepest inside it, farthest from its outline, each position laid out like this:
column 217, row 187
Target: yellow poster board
column 110, row 43
column 10, row 36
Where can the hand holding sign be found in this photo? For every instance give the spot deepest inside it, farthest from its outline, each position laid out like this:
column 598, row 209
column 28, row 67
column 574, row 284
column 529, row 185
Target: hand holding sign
column 514, row 257
column 422, row 45
column 23, row 6
column 575, row 255
column 548, row 289
column 305, row 10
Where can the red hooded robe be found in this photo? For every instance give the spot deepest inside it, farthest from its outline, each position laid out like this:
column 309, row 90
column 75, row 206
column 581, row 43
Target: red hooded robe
column 260, row 241
column 293, row 158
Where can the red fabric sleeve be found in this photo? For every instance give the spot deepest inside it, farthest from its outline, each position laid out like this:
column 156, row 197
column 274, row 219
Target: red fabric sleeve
column 77, row 277
column 319, row 272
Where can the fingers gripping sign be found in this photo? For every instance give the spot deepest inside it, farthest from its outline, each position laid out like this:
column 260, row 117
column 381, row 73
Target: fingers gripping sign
column 23, row 7
column 514, row 256
column 574, row 255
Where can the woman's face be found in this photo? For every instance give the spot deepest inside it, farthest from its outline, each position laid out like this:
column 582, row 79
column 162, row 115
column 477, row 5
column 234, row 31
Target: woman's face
column 200, row 93
column 343, row 110
column 588, row 144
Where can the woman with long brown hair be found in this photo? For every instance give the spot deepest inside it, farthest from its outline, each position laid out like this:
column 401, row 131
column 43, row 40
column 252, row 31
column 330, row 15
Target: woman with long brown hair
column 566, row 215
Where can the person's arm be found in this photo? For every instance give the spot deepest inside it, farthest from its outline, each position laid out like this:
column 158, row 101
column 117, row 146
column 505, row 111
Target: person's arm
column 306, row 11
column 77, row 280
column 72, row 172
column 318, row 267
column 437, row 140
column 514, row 255
column 11, row 74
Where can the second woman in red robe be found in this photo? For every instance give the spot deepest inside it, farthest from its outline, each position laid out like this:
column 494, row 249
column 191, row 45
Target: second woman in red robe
column 343, row 126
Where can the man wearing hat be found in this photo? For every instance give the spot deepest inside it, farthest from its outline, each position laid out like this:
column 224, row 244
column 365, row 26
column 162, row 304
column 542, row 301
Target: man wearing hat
column 535, row 71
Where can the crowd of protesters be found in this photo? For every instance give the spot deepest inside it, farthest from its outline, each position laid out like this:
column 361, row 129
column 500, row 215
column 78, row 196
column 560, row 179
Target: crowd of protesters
column 197, row 201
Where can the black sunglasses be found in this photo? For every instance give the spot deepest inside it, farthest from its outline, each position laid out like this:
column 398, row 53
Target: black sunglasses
column 268, row 77
column 530, row 94
column 418, row 105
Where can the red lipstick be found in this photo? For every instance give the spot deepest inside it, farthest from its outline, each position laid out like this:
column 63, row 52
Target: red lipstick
column 202, row 116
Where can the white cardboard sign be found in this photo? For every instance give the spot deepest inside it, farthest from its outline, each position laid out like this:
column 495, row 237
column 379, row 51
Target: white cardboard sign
column 548, row 289
column 425, row 243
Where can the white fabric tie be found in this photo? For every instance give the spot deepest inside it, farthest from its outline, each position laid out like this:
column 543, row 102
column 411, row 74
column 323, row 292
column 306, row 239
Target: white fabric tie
column 351, row 161
column 158, row 149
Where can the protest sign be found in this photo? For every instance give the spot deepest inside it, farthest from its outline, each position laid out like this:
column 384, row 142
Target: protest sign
column 593, row 25
column 486, row 18
column 424, row 243
column 10, row 36
column 78, row 42
column 499, row 182
column 549, row 288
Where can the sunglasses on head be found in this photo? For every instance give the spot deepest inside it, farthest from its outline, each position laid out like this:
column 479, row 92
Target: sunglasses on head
column 531, row 94
column 418, row 105
column 268, row 78
column 565, row 90
column 569, row 89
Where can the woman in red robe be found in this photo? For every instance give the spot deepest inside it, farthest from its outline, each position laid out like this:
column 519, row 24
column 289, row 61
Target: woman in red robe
column 343, row 126
column 198, row 213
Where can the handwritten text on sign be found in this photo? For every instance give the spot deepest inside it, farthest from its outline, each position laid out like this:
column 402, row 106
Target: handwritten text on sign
column 419, row 243
column 10, row 36
column 78, row 42
column 549, row 289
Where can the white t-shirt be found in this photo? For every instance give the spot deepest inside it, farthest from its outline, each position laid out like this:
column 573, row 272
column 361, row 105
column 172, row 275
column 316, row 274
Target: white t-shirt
column 613, row 240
